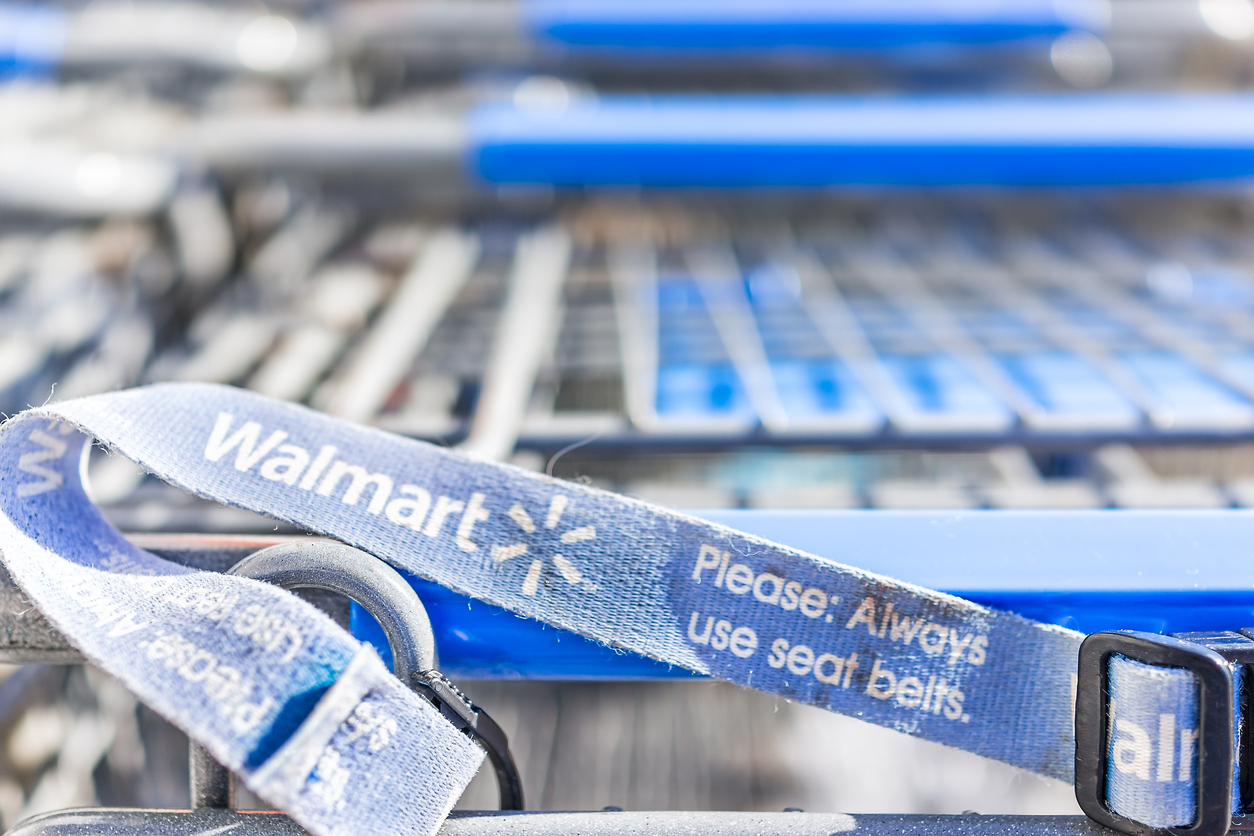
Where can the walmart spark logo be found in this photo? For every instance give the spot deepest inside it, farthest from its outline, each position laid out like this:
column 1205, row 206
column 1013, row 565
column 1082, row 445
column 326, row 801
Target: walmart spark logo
column 568, row 571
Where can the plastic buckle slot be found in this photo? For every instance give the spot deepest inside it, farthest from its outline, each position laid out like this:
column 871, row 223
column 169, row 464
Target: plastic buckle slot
column 474, row 722
column 1210, row 656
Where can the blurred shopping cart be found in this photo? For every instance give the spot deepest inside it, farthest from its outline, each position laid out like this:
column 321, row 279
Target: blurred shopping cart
column 756, row 306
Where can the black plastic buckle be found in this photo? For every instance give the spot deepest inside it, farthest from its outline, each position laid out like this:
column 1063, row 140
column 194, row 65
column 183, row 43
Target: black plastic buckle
column 447, row 697
column 1211, row 657
column 474, row 722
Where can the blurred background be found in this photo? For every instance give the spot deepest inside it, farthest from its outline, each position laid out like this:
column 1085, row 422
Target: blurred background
column 905, row 254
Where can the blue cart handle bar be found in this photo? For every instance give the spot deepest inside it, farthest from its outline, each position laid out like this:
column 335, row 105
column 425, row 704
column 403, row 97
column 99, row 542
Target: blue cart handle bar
column 312, row 721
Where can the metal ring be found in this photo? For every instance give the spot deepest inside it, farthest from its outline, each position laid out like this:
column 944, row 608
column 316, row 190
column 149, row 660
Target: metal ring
column 380, row 589
column 386, row 595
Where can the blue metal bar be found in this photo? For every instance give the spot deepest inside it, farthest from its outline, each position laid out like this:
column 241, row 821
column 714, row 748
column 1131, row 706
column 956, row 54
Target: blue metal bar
column 726, row 25
column 809, row 142
column 1162, row 571
column 31, row 37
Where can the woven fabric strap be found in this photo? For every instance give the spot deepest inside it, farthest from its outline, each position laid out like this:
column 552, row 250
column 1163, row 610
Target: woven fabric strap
column 312, row 721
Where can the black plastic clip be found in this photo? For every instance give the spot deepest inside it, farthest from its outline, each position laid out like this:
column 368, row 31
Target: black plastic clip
column 474, row 722
column 1211, row 657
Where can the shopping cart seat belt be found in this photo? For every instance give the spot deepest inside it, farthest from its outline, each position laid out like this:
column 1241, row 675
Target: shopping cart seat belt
column 312, row 722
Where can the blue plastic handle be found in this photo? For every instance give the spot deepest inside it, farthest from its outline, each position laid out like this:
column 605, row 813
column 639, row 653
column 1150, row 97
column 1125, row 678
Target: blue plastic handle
column 1160, row 571
column 738, row 25
column 31, row 38
column 813, row 142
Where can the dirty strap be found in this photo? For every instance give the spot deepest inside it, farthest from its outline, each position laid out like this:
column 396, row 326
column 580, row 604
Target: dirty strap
column 312, row 721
